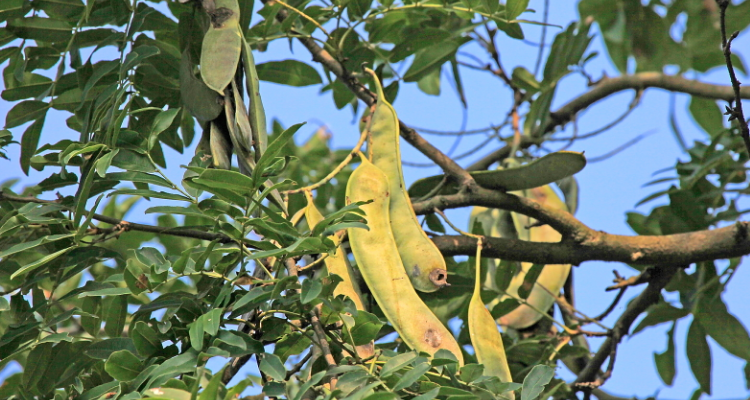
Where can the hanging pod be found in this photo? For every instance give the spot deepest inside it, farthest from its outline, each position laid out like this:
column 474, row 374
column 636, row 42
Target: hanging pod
column 553, row 276
column 222, row 45
column 484, row 334
column 376, row 253
column 423, row 262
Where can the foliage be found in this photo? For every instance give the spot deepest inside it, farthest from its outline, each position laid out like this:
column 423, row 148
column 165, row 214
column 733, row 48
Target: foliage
column 94, row 307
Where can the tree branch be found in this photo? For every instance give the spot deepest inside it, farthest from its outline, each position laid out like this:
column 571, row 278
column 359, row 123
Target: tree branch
column 649, row 296
column 609, row 86
column 683, row 248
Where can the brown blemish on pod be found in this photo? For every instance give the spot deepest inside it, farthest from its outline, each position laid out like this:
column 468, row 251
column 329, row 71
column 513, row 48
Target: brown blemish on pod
column 432, row 338
column 439, row 277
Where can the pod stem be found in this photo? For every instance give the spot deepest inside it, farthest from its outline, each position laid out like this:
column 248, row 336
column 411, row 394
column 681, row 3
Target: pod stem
column 478, row 268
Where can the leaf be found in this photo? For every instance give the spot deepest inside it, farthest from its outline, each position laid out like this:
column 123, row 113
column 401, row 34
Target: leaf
column 311, row 289
column 115, row 312
column 366, row 328
column 273, row 150
column 137, row 55
column 514, row 8
column 428, row 58
column 40, row 262
column 723, row 327
column 699, row 355
column 145, row 339
column 168, row 393
column 149, row 193
column 103, row 349
column 535, row 381
column 288, row 72
column 162, row 121
column 707, row 114
column 411, row 376
column 660, row 313
column 665, row 361
column 30, row 245
column 529, row 280
column 272, row 366
column 123, row 365
column 25, row 111
column 211, row 391
column 36, row 363
column 397, row 363
column 41, row 29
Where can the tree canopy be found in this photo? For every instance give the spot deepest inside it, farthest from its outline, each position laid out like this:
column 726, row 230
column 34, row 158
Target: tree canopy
column 261, row 267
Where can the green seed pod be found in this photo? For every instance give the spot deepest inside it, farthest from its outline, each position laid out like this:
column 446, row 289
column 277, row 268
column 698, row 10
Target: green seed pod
column 222, row 46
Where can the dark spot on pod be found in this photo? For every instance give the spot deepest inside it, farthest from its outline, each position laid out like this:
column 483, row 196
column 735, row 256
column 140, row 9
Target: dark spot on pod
column 439, row 277
column 432, row 338
column 220, row 16
column 415, row 271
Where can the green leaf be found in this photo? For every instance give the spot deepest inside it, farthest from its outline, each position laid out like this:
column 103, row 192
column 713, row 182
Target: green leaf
column 224, row 179
column 149, row 193
column 397, row 363
column 123, row 365
column 25, row 111
column 4, row 304
column 140, row 177
column 272, row 366
column 115, row 311
column 525, row 80
column 660, row 313
column 707, row 114
column 365, row 329
column 699, row 355
column 529, row 280
column 310, row 383
column 30, row 245
column 311, row 289
column 211, row 391
column 145, row 339
column 212, row 321
column 431, row 57
column 411, row 376
column 162, row 121
column 665, row 361
column 723, row 327
column 273, row 150
column 535, row 381
column 196, row 334
column 168, row 393
column 103, row 349
column 40, row 262
column 288, row 72
column 36, row 363
column 291, row 345
column 514, row 8
column 113, row 291
column 41, row 29
column 137, row 55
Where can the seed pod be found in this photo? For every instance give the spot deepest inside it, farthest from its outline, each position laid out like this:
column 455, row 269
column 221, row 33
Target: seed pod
column 552, row 277
column 542, row 171
column 377, row 257
column 423, row 261
column 484, row 334
column 222, row 45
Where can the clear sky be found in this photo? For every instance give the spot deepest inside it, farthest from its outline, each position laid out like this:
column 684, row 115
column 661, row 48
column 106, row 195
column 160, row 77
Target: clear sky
column 608, row 188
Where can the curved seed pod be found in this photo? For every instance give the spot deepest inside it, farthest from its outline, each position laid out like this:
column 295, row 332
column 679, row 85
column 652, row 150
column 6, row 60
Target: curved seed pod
column 377, row 256
column 256, row 113
column 423, row 261
column 222, row 45
column 337, row 263
column 542, row 171
column 221, row 148
column 484, row 334
column 552, row 278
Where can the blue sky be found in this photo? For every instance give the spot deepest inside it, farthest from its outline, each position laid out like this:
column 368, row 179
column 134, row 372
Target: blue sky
column 608, row 188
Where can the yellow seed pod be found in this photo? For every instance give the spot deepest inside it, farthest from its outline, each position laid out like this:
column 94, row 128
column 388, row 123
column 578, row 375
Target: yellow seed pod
column 222, row 45
column 484, row 334
column 423, row 261
column 552, row 278
column 377, row 257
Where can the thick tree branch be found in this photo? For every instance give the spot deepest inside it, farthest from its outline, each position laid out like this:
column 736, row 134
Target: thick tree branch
column 649, row 296
column 325, row 58
column 683, row 248
column 609, row 86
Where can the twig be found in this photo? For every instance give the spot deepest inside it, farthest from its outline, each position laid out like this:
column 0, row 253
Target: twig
column 619, row 149
column 726, row 44
column 650, row 295
column 181, row 232
column 622, row 283
column 322, row 342
column 298, row 367
column 611, row 306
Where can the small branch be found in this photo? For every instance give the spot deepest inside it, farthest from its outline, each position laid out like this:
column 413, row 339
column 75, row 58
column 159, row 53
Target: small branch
column 608, row 86
column 622, row 283
column 322, row 342
column 611, row 306
column 181, row 232
column 587, row 377
column 726, row 44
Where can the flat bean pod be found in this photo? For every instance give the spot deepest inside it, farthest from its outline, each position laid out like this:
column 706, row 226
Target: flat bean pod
column 542, row 171
column 377, row 257
column 484, row 334
column 423, row 261
column 222, row 46
column 552, row 278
